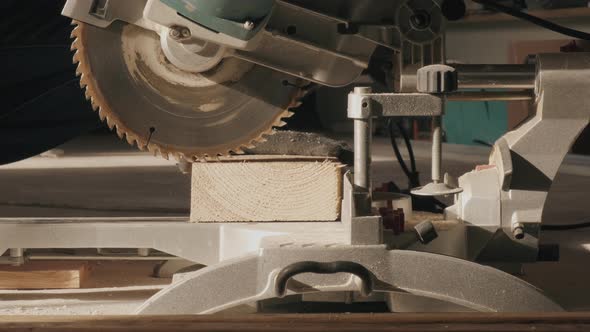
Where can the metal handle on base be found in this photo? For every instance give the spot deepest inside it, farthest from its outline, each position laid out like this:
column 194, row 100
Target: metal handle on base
column 324, row 268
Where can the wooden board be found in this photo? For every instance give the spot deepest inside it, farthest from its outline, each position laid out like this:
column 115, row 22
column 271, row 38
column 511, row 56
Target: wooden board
column 44, row 275
column 266, row 189
column 424, row 322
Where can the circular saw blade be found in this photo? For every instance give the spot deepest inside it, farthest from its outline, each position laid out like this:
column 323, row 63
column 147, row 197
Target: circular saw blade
column 155, row 105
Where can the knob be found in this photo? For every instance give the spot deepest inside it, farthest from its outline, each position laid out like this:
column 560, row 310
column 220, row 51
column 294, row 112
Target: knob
column 437, row 79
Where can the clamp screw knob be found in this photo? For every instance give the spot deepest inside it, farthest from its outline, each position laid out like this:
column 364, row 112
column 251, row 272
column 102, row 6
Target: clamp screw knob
column 437, row 79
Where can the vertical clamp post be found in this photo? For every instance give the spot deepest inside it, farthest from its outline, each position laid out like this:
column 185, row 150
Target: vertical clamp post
column 360, row 111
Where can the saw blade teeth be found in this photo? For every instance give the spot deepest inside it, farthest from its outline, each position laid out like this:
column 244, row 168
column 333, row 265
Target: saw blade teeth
column 110, row 123
column 163, row 154
column 296, row 104
column 141, row 147
column 75, row 30
column 94, row 106
column 269, row 132
column 87, row 94
column 183, row 158
column 137, row 142
column 75, row 42
column 178, row 157
column 76, row 58
column 120, row 133
column 83, row 81
column 154, row 150
column 93, row 93
column 101, row 114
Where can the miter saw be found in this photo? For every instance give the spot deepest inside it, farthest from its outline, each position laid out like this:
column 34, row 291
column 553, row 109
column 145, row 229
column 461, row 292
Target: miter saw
column 198, row 79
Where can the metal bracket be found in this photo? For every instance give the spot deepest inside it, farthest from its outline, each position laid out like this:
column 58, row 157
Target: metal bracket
column 386, row 105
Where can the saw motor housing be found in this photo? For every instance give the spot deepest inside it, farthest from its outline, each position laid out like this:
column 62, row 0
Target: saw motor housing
column 306, row 39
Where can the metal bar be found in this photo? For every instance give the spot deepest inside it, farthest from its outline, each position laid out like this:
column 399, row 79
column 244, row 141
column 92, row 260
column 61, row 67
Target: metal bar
column 362, row 143
column 436, row 149
column 491, row 96
column 496, row 76
column 100, row 258
column 363, row 135
column 362, row 149
column 199, row 243
column 406, row 104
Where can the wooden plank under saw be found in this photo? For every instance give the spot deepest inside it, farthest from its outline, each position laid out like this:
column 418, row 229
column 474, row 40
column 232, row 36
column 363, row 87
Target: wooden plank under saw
column 44, row 275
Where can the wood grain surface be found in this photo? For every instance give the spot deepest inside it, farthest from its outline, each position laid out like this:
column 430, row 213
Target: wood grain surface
column 266, row 189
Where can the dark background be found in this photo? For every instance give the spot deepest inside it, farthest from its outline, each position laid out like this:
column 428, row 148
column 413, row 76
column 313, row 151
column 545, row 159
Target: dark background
column 42, row 105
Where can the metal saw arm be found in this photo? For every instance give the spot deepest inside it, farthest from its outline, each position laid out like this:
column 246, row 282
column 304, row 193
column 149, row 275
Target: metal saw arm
column 299, row 38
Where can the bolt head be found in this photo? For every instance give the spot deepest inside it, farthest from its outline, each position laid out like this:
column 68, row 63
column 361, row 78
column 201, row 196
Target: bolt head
column 185, row 33
column 175, row 33
column 180, row 33
column 249, row 25
column 420, row 20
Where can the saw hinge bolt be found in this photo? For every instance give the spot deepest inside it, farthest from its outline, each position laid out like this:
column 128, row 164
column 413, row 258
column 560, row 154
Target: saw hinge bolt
column 180, row 33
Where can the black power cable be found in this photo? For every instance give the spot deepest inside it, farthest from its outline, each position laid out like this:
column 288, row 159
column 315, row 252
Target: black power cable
column 429, row 204
column 411, row 173
column 565, row 227
column 535, row 20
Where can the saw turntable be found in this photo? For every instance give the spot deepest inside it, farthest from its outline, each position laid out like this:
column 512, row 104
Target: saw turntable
column 198, row 80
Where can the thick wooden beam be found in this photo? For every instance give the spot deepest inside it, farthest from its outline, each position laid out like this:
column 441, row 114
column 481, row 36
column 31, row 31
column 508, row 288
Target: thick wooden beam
column 540, row 322
column 266, row 189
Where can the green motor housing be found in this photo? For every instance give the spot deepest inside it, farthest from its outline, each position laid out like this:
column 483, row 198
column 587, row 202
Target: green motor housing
column 225, row 16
